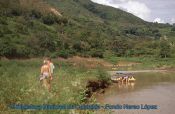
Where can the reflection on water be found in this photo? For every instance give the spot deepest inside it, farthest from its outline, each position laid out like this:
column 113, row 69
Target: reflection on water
column 149, row 88
column 129, row 85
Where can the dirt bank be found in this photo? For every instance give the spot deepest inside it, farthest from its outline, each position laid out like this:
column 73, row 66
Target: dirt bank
column 96, row 86
column 87, row 62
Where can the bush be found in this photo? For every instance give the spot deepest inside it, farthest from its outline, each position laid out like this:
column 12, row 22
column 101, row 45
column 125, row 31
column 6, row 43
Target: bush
column 81, row 46
column 61, row 20
column 64, row 54
column 5, row 30
column 121, row 46
column 16, row 11
column 6, row 49
column 165, row 49
column 20, row 28
column 64, row 20
column 97, row 53
column 47, row 41
column 35, row 14
column 103, row 75
column 173, row 28
column 49, row 19
column 3, row 21
column 22, row 51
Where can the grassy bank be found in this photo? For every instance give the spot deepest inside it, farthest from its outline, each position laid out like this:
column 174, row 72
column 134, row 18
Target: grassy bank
column 141, row 63
column 20, row 84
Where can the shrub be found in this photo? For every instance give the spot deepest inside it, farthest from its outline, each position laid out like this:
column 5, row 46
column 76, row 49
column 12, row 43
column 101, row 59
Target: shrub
column 61, row 20
column 47, row 41
column 35, row 14
column 103, row 75
column 49, row 19
column 165, row 50
column 3, row 21
column 63, row 53
column 173, row 28
column 22, row 51
column 16, row 11
column 6, row 49
column 20, row 28
column 96, row 53
column 81, row 46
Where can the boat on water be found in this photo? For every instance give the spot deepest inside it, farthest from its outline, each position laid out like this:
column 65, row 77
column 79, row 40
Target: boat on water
column 123, row 77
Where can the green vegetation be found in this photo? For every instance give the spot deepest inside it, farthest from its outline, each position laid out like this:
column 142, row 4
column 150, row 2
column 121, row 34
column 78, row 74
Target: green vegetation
column 142, row 63
column 20, row 84
column 36, row 28
column 66, row 28
column 103, row 75
column 20, row 81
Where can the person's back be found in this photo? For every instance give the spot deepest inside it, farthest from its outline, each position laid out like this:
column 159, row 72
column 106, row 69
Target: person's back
column 45, row 69
column 45, row 74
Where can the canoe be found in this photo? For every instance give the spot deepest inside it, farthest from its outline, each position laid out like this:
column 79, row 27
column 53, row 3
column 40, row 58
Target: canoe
column 118, row 79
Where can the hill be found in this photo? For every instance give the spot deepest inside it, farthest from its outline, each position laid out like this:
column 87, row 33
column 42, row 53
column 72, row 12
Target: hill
column 32, row 28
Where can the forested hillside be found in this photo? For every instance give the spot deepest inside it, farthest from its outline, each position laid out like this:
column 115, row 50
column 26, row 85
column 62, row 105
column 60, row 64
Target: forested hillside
column 34, row 28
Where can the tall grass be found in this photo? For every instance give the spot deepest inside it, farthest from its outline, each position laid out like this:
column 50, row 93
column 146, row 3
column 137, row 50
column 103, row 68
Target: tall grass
column 20, row 84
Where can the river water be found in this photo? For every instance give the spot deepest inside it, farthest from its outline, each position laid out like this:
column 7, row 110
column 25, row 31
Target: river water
column 156, row 89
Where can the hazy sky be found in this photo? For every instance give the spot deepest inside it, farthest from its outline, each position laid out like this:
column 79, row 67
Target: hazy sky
column 161, row 11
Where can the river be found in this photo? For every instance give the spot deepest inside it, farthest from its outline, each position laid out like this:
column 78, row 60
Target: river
column 154, row 88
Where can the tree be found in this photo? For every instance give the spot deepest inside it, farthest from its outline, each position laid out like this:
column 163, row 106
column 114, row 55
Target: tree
column 6, row 48
column 47, row 41
column 165, row 49
column 173, row 28
column 120, row 46
column 97, row 53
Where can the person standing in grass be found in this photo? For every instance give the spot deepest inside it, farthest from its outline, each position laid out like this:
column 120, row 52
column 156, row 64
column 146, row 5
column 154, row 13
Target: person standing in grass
column 45, row 75
column 52, row 67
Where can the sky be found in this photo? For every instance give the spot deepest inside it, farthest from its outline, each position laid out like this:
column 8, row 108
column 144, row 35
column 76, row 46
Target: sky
column 161, row 11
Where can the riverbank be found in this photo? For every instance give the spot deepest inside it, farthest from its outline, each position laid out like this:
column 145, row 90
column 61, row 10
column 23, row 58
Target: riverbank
column 20, row 84
column 141, row 63
column 137, row 71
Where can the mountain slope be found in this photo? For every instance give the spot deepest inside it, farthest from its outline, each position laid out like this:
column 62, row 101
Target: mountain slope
column 88, row 9
column 32, row 28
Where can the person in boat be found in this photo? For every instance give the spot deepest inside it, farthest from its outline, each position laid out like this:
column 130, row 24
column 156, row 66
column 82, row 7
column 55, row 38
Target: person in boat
column 119, row 79
column 131, row 78
column 45, row 75
column 125, row 79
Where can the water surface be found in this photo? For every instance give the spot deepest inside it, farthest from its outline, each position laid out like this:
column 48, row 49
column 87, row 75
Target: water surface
column 149, row 88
